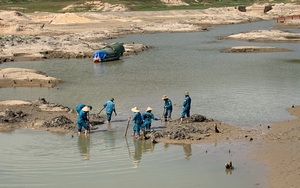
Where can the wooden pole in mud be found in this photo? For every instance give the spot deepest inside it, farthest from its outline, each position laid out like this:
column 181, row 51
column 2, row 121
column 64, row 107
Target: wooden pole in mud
column 127, row 127
column 163, row 114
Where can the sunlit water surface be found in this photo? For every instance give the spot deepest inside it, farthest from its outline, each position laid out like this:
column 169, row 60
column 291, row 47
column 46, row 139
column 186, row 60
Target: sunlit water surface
column 31, row 158
column 246, row 90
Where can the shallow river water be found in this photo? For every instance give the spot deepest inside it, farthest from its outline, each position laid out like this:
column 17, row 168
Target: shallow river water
column 245, row 90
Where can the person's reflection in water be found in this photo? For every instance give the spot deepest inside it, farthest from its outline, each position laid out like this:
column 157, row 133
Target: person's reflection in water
column 166, row 146
column 99, row 69
column 110, row 136
column 84, row 146
column 147, row 145
column 187, row 148
column 141, row 146
column 228, row 171
column 137, row 156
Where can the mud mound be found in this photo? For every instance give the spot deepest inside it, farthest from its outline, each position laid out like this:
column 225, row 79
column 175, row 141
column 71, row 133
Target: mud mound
column 60, row 122
column 182, row 132
column 198, row 128
column 9, row 116
column 199, row 118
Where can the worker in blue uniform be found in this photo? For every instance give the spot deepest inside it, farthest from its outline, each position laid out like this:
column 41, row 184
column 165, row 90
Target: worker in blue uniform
column 186, row 107
column 138, row 120
column 79, row 107
column 168, row 108
column 147, row 117
column 82, row 120
column 109, row 108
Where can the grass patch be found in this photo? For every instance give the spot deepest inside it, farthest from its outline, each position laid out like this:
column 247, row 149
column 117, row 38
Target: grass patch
column 38, row 5
column 134, row 5
column 292, row 37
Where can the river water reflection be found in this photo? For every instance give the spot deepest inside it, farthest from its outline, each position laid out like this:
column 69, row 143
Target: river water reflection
column 242, row 89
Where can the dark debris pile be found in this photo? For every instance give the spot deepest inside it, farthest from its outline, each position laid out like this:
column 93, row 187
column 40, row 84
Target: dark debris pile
column 181, row 132
column 42, row 101
column 59, row 122
column 185, row 131
column 199, row 118
column 8, row 116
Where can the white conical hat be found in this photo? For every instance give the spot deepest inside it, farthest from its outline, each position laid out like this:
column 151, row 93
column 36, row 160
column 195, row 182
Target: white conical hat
column 86, row 109
column 149, row 109
column 135, row 109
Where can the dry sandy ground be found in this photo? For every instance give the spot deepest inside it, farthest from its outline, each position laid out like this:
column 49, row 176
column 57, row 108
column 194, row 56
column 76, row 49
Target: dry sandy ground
column 43, row 35
column 279, row 150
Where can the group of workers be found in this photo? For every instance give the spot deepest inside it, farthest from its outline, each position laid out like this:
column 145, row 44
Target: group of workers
column 186, row 106
column 142, row 121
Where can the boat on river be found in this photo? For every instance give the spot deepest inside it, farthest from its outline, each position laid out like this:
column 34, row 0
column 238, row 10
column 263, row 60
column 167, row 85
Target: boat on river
column 110, row 52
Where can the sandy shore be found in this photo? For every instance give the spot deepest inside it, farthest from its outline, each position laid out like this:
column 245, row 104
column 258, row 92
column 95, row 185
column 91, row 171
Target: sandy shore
column 77, row 35
column 279, row 150
column 42, row 35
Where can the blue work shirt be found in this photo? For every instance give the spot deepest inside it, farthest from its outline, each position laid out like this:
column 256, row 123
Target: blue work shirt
column 79, row 107
column 137, row 118
column 82, row 117
column 187, row 103
column 147, row 116
column 168, row 104
column 100, row 54
column 110, row 106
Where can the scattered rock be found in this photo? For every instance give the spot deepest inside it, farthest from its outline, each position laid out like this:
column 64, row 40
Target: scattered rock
column 242, row 8
column 267, row 8
column 229, row 165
